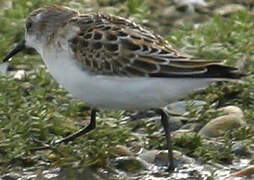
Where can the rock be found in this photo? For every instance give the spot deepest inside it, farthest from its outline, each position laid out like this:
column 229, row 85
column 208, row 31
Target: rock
column 238, row 148
column 182, row 132
column 26, row 85
column 189, row 6
column 9, row 177
column 137, row 115
column 180, row 107
column 161, row 158
column 149, row 156
column 251, row 149
column 191, row 2
column 232, row 110
column 216, row 127
column 175, row 122
column 169, row 15
column 195, row 127
column 121, row 150
column 228, row 9
column 4, row 67
column 51, row 172
column 130, row 164
column 20, row 74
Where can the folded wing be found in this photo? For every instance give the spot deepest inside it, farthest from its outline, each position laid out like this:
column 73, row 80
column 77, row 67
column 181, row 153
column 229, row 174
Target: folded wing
column 112, row 45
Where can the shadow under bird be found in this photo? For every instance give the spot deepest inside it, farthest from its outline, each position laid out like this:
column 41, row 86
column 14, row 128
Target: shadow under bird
column 112, row 62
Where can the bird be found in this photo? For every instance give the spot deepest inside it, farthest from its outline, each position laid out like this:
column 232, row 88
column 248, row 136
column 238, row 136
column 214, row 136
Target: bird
column 111, row 62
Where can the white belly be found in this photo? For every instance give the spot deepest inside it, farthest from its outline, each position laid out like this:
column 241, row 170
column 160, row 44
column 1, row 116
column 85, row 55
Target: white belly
column 117, row 92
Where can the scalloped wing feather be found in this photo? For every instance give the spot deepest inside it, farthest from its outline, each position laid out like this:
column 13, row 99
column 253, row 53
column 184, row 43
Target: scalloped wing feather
column 111, row 45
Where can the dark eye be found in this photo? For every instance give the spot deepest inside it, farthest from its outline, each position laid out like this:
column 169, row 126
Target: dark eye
column 28, row 25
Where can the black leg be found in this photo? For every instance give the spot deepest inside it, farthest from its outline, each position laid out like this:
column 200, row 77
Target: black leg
column 81, row 132
column 164, row 122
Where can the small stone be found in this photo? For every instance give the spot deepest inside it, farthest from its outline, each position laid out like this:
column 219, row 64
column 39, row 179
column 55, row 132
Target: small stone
column 238, row 148
column 20, row 74
column 121, row 151
column 181, row 158
column 161, row 158
column 175, row 122
column 189, row 6
column 11, row 176
column 228, row 9
column 149, row 156
column 130, row 164
column 26, row 85
column 191, row 2
column 251, row 149
column 195, row 127
column 216, row 127
column 172, row 13
column 180, row 107
column 4, row 67
column 51, row 173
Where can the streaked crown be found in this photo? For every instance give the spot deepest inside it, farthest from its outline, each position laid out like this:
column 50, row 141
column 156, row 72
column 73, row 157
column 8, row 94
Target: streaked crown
column 44, row 22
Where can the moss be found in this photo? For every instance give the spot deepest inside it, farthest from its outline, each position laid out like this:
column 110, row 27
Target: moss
column 221, row 154
column 188, row 143
column 37, row 107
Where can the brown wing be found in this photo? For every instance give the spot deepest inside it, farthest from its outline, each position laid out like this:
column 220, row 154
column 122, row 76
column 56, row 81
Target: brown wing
column 112, row 45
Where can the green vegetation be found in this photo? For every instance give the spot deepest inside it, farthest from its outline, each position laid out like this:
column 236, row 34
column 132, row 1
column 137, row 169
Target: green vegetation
column 222, row 154
column 36, row 107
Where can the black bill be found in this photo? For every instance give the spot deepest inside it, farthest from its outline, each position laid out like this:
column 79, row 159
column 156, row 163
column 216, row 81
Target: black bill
column 19, row 47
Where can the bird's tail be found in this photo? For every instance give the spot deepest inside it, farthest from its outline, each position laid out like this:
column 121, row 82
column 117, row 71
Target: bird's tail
column 223, row 71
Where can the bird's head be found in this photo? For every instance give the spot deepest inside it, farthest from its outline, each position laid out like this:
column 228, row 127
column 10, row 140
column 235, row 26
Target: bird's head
column 40, row 27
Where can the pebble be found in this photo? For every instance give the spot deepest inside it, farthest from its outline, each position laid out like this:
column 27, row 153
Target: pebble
column 149, row 156
column 228, row 9
column 195, row 127
column 121, row 150
column 130, row 164
column 175, row 122
column 10, row 176
column 238, row 148
column 180, row 107
column 216, row 127
column 251, row 149
column 19, row 75
column 4, row 67
column 191, row 2
column 182, row 132
column 160, row 157
column 26, row 85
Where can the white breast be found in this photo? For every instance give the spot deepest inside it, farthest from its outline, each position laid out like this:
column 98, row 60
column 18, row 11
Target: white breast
column 116, row 92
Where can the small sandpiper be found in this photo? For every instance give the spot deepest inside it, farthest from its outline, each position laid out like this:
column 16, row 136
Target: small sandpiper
column 112, row 62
